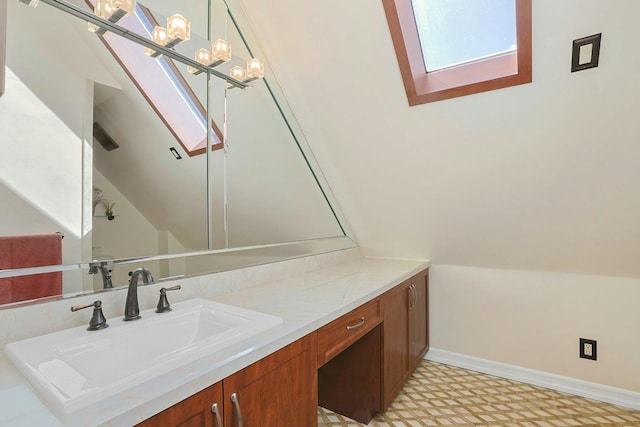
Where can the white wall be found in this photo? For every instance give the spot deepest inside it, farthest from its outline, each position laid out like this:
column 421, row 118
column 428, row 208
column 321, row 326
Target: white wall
column 43, row 128
column 535, row 320
column 540, row 177
column 47, row 180
column 42, row 163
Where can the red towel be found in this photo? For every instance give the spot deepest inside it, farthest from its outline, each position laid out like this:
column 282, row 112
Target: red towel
column 30, row 251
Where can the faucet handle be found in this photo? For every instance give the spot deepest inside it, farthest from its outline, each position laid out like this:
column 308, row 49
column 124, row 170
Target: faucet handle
column 98, row 321
column 163, row 303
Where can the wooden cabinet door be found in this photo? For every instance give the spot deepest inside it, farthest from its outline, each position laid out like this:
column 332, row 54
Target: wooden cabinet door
column 280, row 390
column 195, row 411
column 395, row 347
column 418, row 319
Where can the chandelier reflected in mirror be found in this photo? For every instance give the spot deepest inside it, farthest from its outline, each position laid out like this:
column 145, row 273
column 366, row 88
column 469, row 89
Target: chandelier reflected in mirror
column 177, row 30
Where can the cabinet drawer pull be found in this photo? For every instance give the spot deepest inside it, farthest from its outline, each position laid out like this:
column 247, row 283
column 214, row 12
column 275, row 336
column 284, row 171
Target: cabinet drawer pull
column 216, row 412
column 236, row 404
column 414, row 296
column 357, row 325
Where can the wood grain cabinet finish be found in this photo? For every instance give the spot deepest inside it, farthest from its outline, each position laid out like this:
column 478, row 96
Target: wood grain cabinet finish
column 405, row 333
column 395, row 339
column 280, row 390
column 389, row 333
column 194, row 411
column 336, row 336
column 418, row 319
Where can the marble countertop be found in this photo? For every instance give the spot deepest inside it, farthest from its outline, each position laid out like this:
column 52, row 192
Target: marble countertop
column 305, row 302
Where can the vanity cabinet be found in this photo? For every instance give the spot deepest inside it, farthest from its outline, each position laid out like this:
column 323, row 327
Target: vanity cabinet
column 355, row 365
column 338, row 335
column 361, row 371
column 405, row 333
column 278, row 390
column 194, row 411
column 349, row 363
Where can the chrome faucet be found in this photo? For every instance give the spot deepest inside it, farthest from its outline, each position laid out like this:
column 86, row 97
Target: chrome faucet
column 101, row 266
column 131, row 307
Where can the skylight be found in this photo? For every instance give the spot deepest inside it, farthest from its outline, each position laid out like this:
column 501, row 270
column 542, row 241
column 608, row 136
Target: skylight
column 454, row 32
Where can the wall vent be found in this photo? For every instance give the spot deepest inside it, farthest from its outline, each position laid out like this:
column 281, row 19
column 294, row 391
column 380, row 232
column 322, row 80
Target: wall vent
column 100, row 135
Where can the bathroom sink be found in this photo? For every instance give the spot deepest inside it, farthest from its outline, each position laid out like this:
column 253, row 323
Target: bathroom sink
column 75, row 368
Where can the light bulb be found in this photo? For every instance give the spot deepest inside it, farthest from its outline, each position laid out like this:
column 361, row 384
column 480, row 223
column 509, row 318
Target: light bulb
column 121, row 8
column 238, row 73
column 103, row 10
column 203, row 56
column 158, row 35
column 221, row 50
column 255, row 69
column 178, row 28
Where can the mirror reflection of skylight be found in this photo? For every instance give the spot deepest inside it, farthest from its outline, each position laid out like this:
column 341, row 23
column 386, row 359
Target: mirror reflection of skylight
column 169, row 72
column 454, row 32
column 154, row 77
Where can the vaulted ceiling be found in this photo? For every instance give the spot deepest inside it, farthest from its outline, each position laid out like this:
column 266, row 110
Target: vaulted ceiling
column 544, row 176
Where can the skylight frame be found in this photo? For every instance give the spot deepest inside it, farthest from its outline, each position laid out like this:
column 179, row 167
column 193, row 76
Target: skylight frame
column 495, row 72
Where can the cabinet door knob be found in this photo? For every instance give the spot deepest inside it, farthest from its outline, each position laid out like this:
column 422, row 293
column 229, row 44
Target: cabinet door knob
column 216, row 412
column 236, row 404
column 357, row 325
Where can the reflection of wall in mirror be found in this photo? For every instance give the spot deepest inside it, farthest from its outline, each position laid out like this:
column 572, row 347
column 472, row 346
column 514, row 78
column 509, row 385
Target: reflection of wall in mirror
column 273, row 196
column 40, row 184
column 41, row 175
column 128, row 235
column 40, row 181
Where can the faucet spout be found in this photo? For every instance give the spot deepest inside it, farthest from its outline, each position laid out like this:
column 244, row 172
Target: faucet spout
column 102, row 267
column 131, row 307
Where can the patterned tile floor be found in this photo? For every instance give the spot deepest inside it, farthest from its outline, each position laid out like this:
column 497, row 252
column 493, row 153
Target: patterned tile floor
column 438, row 395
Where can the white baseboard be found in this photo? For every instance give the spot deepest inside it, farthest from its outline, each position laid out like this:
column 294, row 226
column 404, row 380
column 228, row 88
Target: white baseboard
column 616, row 396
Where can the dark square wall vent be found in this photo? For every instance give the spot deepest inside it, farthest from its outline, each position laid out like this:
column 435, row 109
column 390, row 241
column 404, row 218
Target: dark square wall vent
column 100, row 135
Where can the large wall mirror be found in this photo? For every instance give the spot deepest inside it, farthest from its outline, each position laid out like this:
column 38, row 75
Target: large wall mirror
column 118, row 159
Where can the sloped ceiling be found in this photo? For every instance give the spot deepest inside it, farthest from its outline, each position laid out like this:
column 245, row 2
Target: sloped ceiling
column 544, row 176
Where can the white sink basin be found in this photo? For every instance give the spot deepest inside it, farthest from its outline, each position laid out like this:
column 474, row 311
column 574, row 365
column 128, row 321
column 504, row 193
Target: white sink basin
column 75, row 368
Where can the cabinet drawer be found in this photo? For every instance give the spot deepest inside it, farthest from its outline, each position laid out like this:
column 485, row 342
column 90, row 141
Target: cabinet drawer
column 344, row 331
